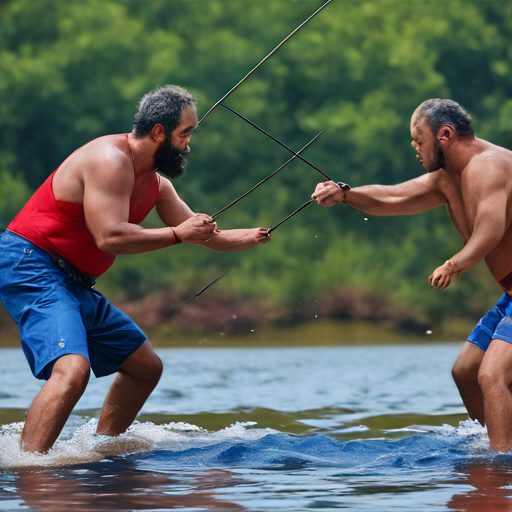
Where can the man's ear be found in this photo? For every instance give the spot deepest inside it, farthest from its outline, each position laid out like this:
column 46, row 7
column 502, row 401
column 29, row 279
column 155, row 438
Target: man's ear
column 158, row 133
column 446, row 133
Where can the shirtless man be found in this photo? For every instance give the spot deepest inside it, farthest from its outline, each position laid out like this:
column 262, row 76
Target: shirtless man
column 70, row 231
column 473, row 179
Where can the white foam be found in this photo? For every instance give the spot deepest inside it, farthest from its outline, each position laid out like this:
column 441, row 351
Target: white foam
column 85, row 446
column 466, row 429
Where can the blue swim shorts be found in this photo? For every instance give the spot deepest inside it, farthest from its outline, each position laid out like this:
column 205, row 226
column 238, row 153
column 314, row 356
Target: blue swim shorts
column 496, row 324
column 56, row 316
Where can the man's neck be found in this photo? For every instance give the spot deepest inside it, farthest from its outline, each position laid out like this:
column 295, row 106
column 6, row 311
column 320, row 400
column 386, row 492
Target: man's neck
column 143, row 151
column 461, row 153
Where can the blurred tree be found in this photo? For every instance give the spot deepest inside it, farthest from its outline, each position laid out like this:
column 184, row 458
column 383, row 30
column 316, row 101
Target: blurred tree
column 72, row 70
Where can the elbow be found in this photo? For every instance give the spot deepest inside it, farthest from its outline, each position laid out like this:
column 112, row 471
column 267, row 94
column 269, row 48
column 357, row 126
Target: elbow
column 108, row 242
column 106, row 245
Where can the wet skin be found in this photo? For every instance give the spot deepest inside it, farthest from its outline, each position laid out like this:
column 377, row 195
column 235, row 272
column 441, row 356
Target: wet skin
column 475, row 186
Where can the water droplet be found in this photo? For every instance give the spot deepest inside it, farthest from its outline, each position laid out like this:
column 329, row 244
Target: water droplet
column 252, row 330
column 365, row 218
column 429, row 332
column 62, row 345
column 316, row 316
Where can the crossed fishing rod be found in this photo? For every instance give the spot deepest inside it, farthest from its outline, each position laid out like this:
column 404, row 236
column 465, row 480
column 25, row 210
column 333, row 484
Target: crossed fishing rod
column 343, row 186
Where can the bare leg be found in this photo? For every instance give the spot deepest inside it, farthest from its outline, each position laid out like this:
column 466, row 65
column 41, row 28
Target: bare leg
column 465, row 375
column 495, row 378
column 52, row 406
column 135, row 381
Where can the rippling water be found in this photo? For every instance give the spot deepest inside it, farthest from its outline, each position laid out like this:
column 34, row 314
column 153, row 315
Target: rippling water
column 291, row 429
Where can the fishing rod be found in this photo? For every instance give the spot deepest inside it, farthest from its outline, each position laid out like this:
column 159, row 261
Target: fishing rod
column 215, row 215
column 265, row 58
column 269, row 230
column 203, row 290
column 342, row 185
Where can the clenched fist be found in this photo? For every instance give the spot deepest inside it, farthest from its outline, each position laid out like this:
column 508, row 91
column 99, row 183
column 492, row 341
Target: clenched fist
column 328, row 193
column 200, row 227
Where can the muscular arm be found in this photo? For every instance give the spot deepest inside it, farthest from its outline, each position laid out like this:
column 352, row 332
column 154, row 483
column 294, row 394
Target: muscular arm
column 489, row 193
column 108, row 186
column 408, row 198
column 173, row 211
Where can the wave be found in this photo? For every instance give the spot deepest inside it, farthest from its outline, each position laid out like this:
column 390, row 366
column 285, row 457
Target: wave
column 155, row 447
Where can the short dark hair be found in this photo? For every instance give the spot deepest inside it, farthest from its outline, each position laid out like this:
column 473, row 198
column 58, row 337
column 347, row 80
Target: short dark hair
column 162, row 106
column 439, row 112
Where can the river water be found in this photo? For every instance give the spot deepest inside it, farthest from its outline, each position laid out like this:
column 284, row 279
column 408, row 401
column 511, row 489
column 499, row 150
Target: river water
column 271, row 429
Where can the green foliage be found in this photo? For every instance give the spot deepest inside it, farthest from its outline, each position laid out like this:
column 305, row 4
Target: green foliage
column 72, row 70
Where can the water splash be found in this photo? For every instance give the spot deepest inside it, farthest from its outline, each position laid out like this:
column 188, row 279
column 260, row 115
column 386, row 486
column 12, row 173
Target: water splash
column 86, row 446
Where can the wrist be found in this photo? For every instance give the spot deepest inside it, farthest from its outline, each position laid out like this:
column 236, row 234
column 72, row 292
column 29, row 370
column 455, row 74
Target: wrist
column 452, row 268
column 177, row 239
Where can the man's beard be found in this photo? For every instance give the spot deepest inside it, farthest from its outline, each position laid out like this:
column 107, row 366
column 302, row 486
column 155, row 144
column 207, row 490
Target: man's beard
column 438, row 161
column 169, row 160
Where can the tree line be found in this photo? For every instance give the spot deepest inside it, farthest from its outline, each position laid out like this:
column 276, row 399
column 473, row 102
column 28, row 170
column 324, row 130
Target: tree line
column 73, row 70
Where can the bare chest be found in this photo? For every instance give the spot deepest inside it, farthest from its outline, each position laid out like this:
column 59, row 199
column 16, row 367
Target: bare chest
column 461, row 208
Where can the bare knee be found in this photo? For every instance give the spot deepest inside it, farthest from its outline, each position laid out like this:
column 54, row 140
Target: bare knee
column 464, row 372
column 144, row 366
column 71, row 373
column 490, row 378
column 153, row 371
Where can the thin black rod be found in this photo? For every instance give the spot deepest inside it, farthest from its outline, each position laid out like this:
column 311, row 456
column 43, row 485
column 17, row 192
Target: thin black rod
column 203, row 290
column 279, row 142
column 366, row 217
column 269, row 230
column 215, row 215
column 263, row 60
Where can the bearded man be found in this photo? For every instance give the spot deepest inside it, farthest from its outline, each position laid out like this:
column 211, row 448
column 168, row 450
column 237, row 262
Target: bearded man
column 472, row 178
column 87, row 212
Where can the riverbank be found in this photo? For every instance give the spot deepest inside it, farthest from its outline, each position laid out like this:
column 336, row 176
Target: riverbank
column 347, row 318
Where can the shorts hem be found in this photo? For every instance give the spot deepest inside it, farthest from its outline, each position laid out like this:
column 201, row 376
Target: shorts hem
column 104, row 372
column 508, row 339
column 39, row 369
column 477, row 345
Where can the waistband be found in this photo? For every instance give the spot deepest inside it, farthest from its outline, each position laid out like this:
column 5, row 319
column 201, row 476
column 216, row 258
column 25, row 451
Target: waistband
column 81, row 278
column 84, row 280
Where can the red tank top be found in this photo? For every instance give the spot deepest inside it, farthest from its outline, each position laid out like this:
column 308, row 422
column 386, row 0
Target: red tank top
column 60, row 227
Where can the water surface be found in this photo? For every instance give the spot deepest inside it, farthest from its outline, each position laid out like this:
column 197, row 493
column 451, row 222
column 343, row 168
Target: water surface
column 292, row 429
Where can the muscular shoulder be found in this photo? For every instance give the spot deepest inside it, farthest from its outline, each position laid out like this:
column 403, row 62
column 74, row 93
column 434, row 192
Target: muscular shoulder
column 108, row 158
column 167, row 192
column 103, row 162
column 494, row 164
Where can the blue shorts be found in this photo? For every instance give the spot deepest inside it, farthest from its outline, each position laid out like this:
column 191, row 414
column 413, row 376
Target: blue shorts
column 56, row 316
column 496, row 324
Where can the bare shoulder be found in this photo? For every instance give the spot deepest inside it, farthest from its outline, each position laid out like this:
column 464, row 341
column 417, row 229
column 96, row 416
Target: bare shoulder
column 107, row 158
column 492, row 163
column 105, row 162
column 166, row 187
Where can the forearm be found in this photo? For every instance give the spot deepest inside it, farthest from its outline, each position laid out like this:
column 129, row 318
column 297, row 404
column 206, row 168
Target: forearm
column 127, row 238
column 374, row 200
column 232, row 240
